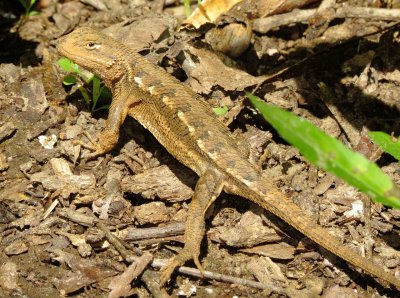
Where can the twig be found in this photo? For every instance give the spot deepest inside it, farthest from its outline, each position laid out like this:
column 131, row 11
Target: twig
column 82, row 219
column 126, row 254
column 368, row 13
column 263, row 25
column 326, row 4
column 50, row 209
column 120, row 285
column 156, row 232
column 150, row 278
column 159, row 263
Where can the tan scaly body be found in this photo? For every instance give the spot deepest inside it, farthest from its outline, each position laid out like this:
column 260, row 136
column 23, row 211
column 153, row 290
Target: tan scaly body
column 188, row 129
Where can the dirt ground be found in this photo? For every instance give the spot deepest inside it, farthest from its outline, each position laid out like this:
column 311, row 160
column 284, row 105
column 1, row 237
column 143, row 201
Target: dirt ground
column 341, row 73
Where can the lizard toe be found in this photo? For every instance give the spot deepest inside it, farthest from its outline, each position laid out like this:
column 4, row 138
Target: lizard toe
column 198, row 264
column 97, row 150
column 167, row 271
column 177, row 261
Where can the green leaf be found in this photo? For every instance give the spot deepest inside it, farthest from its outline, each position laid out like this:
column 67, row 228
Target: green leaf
column 24, row 4
column 187, row 7
column 330, row 155
column 33, row 13
column 105, row 107
column 220, row 111
column 96, row 91
column 69, row 80
column 386, row 143
column 106, row 93
column 68, row 65
column 85, row 95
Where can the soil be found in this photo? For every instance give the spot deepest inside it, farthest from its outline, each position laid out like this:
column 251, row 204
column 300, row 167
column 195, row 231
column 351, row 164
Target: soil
column 343, row 76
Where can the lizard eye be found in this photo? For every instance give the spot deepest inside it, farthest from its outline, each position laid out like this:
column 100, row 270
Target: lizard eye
column 92, row 45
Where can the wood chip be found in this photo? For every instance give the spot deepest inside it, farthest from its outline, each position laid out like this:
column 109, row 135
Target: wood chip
column 160, row 182
column 120, row 285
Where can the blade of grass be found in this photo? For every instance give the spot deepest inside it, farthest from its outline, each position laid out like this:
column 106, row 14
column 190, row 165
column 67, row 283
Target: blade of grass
column 386, row 143
column 330, row 155
column 187, row 7
column 96, row 92
column 85, row 95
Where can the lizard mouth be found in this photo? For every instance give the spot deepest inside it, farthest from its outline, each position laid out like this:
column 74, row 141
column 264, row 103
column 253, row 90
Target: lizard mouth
column 60, row 45
column 62, row 51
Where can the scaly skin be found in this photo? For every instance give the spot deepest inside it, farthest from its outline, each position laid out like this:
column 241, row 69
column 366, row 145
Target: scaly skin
column 189, row 130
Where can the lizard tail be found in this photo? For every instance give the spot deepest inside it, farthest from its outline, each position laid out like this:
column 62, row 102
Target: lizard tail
column 276, row 202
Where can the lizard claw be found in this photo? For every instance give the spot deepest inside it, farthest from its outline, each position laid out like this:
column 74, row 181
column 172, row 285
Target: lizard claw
column 177, row 261
column 107, row 140
column 97, row 150
column 198, row 265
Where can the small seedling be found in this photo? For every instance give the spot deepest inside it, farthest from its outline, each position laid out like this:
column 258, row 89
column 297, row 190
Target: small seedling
column 186, row 4
column 98, row 88
column 28, row 4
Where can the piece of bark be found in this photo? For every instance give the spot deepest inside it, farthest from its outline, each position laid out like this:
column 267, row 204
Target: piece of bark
column 152, row 213
column 120, row 285
column 158, row 182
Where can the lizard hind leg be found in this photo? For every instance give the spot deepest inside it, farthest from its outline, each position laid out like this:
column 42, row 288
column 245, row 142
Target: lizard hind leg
column 207, row 189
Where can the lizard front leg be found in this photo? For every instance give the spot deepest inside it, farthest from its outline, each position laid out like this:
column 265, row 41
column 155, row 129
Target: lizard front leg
column 109, row 136
column 207, row 189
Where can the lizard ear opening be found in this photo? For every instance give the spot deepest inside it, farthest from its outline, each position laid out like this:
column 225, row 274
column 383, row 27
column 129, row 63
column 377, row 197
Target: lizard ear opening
column 92, row 45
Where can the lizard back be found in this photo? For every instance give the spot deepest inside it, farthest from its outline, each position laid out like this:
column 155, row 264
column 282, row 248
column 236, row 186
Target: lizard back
column 189, row 130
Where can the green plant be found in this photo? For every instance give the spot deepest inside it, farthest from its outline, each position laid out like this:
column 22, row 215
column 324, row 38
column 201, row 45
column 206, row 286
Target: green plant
column 28, row 4
column 330, row 155
column 220, row 111
column 98, row 89
column 386, row 142
column 186, row 4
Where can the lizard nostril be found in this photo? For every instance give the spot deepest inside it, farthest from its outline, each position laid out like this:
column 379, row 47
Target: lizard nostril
column 59, row 43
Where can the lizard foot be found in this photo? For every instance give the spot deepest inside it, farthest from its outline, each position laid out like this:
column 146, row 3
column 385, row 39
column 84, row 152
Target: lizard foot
column 179, row 260
column 95, row 146
column 97, row 150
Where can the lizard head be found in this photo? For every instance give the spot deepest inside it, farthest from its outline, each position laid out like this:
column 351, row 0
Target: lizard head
column 94, row 51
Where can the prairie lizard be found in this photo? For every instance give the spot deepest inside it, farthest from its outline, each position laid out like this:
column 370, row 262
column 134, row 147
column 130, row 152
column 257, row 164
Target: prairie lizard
column 183, row 123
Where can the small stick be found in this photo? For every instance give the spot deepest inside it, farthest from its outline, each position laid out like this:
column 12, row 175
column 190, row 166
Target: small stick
column 368, row 13
column 150, row 278
column 159, row 263
column 125, row 253
column 327, row 4
column 120, row 285
column 156, row 232
column 263, row 25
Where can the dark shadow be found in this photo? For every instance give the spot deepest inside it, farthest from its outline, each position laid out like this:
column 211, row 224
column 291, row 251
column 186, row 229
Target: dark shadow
column 326, row 66
column 13, row 49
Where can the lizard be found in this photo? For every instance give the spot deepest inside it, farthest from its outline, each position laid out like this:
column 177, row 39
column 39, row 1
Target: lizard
column 185, row 125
